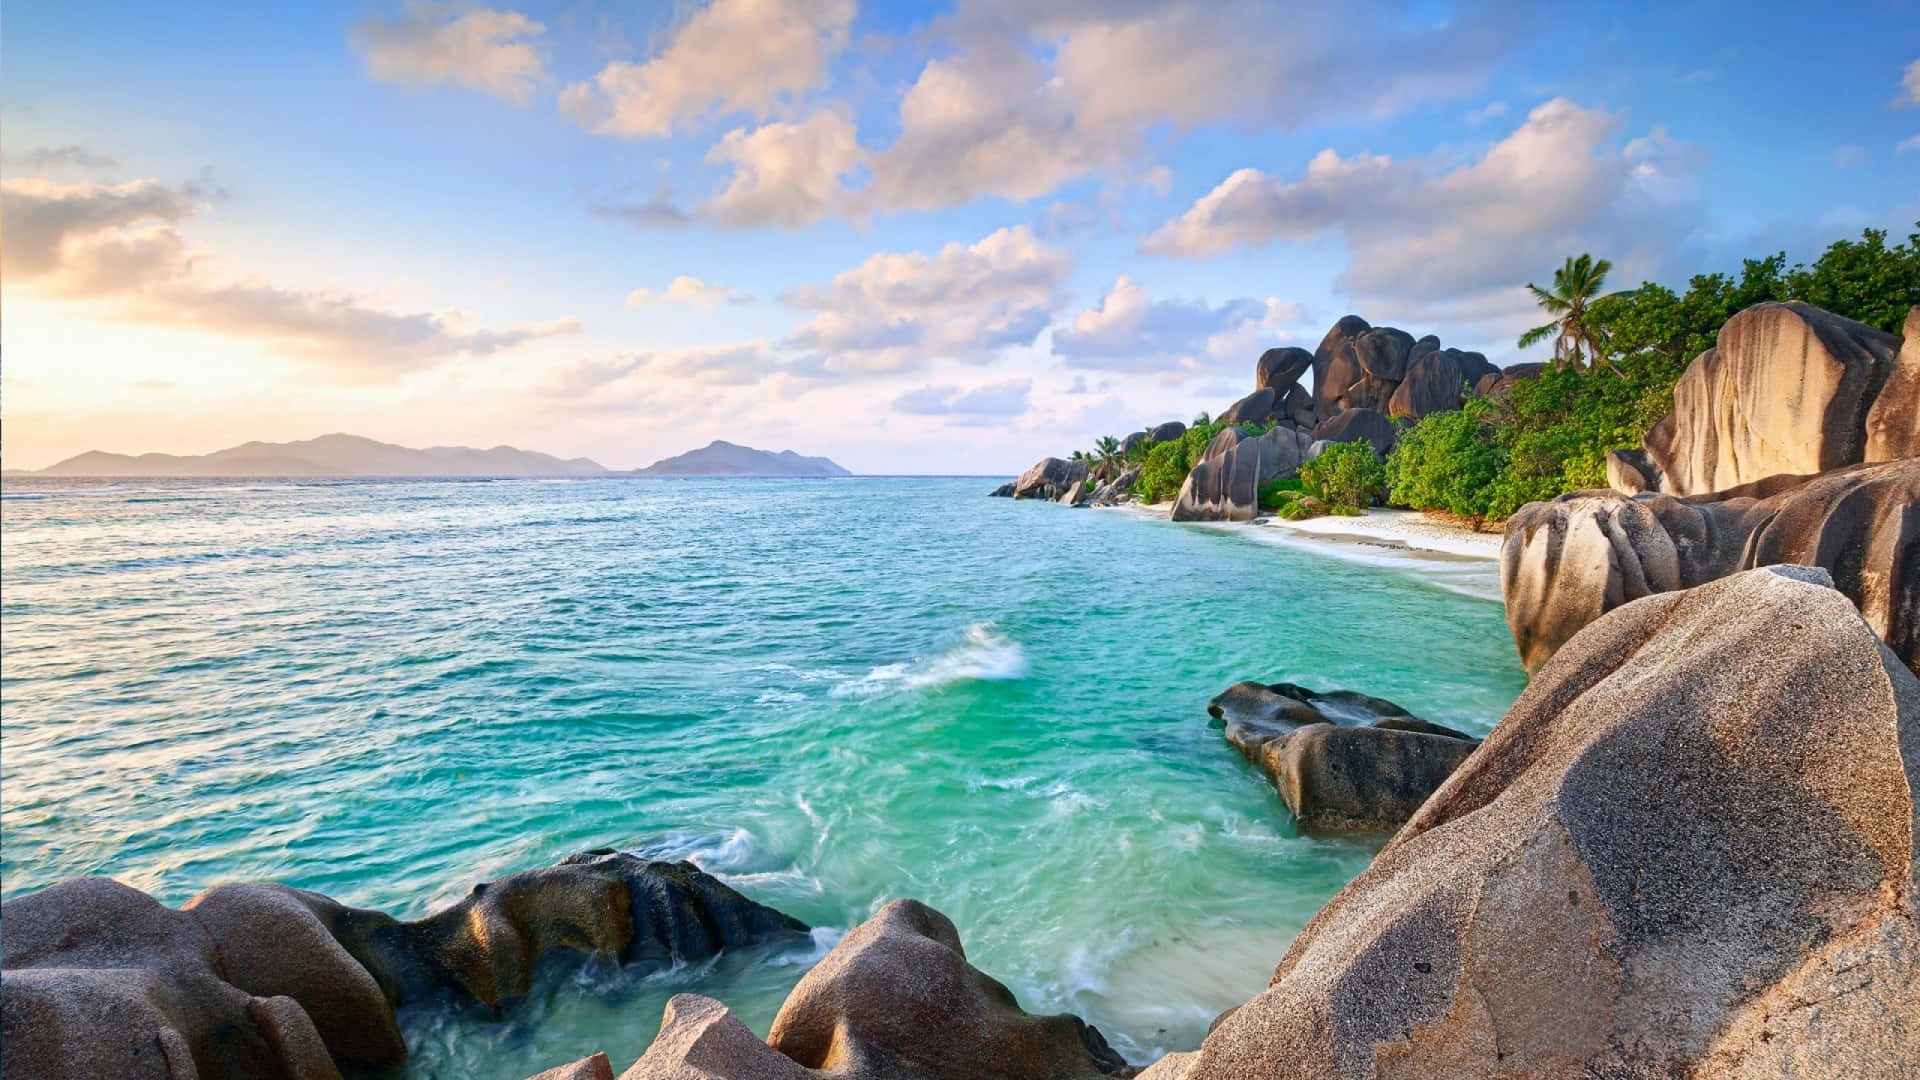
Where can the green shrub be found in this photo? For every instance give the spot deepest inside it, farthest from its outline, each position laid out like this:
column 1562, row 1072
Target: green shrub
column 1274, row 493
column 1167, row 464
column 1346, row 476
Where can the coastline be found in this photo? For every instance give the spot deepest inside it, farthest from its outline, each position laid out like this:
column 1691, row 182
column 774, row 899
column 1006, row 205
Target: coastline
column 1433, row 549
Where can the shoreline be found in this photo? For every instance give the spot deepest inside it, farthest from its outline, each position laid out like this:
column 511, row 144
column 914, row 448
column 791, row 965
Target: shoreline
column 1432, row 549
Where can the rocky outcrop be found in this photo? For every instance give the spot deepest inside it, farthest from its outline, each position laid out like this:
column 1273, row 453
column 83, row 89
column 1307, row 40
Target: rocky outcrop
column 263, row 980
column 1115, row 491
column 1225, row 485
column 1280, row 369
column 1687, row 850
column 1355, row 424
column 1567, row 562
column 1343, row 762
column 1893, row 424
column 1168, row 431
column 1500, row 380
column 1787, row 389
column 1264, row 405
column 1054, row 479
column 1004, row 491
column 1434, row 383
column 1336, row 350
column 895, row 1000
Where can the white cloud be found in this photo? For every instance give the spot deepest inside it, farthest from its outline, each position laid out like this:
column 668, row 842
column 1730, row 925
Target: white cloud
column 997, row 118
column 738, row 364
column 1910, row 143
column 786, row 174
column 690, row 291
column 71, row 156
column 119, row 244
column 730, row 56
column 1433, row 231
column 893, row 311
column 1910, row 85
column 1492, row 110
column 990, row 404
column 1129, row 331
column 490, row 51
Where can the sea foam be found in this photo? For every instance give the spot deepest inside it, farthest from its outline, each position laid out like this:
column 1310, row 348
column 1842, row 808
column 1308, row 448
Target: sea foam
column 982, row 656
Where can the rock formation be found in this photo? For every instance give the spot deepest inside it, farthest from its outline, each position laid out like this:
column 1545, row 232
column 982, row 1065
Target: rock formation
column 266, row 981
column 1280, row 369
column 1054, row 479
column 1687, row 850
column 895, row 1000
column 1115, row 491
column 1343, row 762
column 1787, row 389
column 1355, row 424
column 1565, row 563
column 1225, row 485
column 1893, row 424
column 1336, row 348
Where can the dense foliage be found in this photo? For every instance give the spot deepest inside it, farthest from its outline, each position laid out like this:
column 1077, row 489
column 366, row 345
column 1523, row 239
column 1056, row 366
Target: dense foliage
column 1346, row 476
column 1551, row 435
column 1164, row 466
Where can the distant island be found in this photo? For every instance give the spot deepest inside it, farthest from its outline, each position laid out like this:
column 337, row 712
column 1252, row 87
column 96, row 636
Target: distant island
column 354, row 455
column 720, row 458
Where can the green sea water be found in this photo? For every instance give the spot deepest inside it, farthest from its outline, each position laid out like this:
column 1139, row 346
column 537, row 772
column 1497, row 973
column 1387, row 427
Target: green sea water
column 829, row 693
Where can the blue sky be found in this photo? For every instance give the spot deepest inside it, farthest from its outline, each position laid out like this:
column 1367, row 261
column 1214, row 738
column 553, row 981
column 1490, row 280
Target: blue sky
column 917, row 238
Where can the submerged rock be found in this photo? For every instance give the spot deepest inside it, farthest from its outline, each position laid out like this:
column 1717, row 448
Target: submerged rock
column 1004, row 491
column 263, row 980
column 895, row 1000
column 1342, row 761
column 1565, row 563
column 1688, row 850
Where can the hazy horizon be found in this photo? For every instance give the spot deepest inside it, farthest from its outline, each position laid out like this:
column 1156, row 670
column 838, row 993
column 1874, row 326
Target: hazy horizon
column 910, row 238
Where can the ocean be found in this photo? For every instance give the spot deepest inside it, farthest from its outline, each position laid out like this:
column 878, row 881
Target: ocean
column 829, row 693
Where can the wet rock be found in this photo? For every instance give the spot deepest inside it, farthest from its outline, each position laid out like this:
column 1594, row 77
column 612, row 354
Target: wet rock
column 1566, row 562
column 1050, row 478
column 1893, row 424
column 1004, row 491
column 267, row 981
column 1225, row 485
column 1786, row 390
column 897, row 997
column 1687, row 850
column 1342, row 761
column 1334, row 363
column 1279, row 370
column 1354, row 424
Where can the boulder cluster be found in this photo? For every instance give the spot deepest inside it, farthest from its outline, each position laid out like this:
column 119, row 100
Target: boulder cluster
column 1368, row 382
column 260, row 980
column 1793, row 440
column 1342, row 761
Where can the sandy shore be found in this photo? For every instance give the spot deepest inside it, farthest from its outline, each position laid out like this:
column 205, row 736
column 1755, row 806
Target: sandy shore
column 1435, row 550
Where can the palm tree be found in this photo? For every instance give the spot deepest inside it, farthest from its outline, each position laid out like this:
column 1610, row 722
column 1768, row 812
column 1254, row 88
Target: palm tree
column 1106, row 451
column 1575, row 286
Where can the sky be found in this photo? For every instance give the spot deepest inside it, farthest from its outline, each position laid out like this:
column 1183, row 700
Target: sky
column 917, row 238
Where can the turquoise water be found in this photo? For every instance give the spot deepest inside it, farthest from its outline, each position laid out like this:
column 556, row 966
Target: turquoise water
column 829, row 693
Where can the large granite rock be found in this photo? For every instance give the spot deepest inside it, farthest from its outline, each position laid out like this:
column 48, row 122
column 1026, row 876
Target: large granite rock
column 1382, row 353
column 1434, row 383
column 263, row 980
column 1499, row 381
column 1688, row 850
column 1350, row 425
column 1115, row 491
column 101, row 980
column 1052, row 479
column 1343, row 762
column 1259, row 407
column 1334, row 366
column 898, row 995
column 1225, row 485
column 1168, row 431
column 1280, row 369
column 1565, row 563
column 1786, row 390
column 1893, row 424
